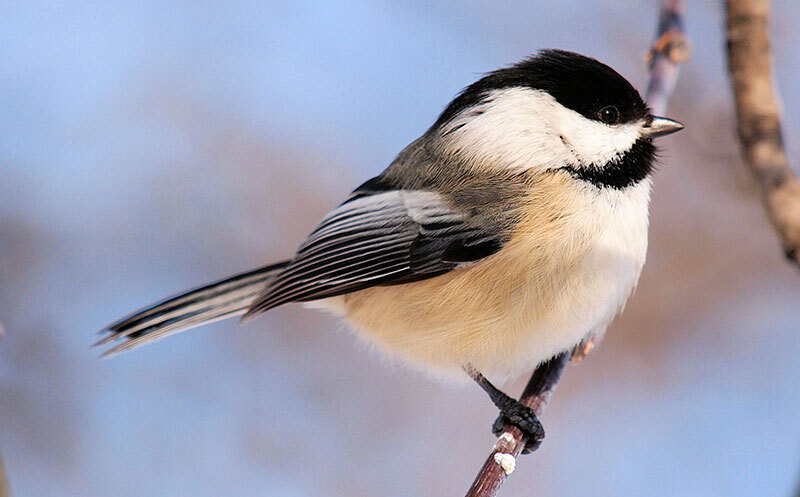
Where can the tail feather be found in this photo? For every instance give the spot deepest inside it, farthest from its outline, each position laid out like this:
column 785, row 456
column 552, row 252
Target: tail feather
column 220, row 300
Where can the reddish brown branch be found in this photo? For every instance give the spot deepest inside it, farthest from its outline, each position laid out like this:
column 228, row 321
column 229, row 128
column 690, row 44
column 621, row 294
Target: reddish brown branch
column 758, row 118
column 509, row 445
column 670, row 49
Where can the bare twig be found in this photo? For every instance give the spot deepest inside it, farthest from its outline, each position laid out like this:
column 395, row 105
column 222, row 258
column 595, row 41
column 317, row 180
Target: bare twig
column 502, row 459
column 670, row 49
column 758, row 118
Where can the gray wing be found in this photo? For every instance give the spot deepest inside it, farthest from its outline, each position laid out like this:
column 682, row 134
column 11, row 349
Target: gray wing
column 381, row 237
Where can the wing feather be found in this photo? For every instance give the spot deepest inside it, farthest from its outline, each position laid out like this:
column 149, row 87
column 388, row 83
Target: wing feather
column 377, row 238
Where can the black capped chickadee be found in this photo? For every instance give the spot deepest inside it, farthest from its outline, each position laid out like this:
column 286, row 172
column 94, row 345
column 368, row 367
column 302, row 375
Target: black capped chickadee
column 513, row 230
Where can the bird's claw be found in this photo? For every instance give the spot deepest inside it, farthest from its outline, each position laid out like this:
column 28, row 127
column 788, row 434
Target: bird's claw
column 525, row 419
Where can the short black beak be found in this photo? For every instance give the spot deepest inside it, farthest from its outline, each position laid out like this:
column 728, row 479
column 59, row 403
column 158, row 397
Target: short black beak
column 660, row 126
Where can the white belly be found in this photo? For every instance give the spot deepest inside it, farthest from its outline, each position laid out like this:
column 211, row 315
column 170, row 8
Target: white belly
column 565, row 274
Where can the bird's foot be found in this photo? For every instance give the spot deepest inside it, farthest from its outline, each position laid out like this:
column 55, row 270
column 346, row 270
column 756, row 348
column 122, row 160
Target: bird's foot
column 519, row 415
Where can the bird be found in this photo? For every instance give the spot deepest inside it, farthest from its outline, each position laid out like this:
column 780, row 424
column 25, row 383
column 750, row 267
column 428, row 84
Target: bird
column 513, row 230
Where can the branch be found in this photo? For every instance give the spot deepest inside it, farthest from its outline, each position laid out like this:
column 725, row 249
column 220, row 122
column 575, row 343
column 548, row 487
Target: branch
column 502, row 459
column 758, row 118
column 670, row 49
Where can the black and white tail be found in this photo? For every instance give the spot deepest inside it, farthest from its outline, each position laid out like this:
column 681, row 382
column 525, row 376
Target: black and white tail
column 213, row 302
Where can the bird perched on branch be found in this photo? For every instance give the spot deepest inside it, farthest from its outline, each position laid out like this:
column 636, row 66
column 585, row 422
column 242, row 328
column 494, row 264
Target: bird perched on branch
column 512, row 230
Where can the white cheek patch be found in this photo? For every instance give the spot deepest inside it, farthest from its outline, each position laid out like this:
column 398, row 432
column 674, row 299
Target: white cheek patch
column 521, row 128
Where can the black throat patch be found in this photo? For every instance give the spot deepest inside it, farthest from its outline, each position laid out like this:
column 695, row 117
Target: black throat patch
column 628, row 170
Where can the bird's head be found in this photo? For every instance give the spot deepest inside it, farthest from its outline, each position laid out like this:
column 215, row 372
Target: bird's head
column 556, row 110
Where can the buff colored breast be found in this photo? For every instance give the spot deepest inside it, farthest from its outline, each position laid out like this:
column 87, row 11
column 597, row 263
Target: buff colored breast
column 562, row 276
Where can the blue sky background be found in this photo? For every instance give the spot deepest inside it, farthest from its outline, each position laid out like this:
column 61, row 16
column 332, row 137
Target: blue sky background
column 146, row 147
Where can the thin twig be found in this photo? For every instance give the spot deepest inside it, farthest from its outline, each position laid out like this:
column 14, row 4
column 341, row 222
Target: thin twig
column 668, row 51
column 758, row 118
column 509, row 445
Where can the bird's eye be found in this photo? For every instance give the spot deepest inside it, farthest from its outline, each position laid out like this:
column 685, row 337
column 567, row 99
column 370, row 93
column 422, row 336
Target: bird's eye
column 609, row 115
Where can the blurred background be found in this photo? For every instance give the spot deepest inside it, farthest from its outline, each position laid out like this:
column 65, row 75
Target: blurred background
column 146, row 147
